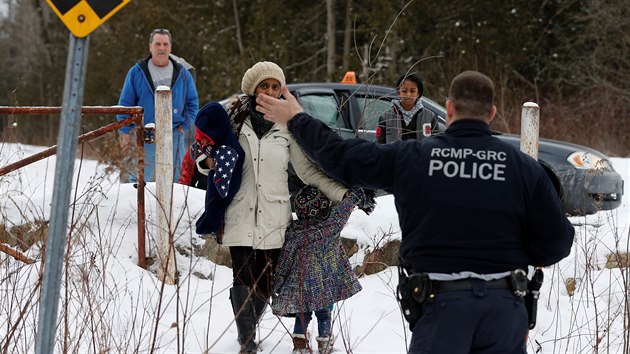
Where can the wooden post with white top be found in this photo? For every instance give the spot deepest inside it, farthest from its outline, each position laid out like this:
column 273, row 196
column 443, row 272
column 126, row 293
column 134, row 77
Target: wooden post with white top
column 164, row 183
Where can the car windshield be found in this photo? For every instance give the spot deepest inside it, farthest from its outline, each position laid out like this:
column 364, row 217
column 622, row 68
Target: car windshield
column 371, row 109
column 324, row 107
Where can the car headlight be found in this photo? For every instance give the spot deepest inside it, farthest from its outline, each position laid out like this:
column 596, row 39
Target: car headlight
column 587, row 161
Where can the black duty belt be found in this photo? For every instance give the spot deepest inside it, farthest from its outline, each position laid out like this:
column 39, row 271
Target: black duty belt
column 466, row 284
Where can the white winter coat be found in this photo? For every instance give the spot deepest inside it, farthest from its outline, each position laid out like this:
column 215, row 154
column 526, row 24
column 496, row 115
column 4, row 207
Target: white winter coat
column 260, row 212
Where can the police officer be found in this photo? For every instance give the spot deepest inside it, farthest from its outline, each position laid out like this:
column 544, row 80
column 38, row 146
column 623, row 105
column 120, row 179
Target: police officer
column 472, row 210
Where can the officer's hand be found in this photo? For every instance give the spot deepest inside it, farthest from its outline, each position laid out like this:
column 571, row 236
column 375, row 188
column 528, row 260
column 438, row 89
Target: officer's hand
column 277, row 110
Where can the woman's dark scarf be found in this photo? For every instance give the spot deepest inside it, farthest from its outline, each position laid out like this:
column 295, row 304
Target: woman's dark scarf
column 260, row 125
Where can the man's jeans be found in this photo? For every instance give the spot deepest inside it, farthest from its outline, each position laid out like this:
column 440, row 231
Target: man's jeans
column 179, row 150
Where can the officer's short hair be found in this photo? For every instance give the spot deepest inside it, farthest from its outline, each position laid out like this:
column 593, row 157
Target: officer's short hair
column 472, row 94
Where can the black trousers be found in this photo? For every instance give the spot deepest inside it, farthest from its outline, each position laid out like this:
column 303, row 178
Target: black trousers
column 475, row 321
column 254, row 268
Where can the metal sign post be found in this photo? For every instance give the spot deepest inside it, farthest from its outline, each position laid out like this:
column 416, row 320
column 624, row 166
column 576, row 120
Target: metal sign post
column 81, row 18
column 66, row 151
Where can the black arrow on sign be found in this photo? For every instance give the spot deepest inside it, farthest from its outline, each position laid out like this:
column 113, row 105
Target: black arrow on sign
column 65, row 5
column 102, row 8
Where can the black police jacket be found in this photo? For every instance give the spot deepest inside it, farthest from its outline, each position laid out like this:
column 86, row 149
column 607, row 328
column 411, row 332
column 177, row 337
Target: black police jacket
column 466, row 201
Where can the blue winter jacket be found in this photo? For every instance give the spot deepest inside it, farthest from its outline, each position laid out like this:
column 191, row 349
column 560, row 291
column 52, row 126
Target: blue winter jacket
column 138, row 90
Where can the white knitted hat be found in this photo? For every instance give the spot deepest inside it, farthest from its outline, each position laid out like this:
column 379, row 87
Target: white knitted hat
column 261, row 71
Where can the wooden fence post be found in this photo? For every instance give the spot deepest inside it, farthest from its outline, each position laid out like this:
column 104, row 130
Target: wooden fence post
column 530, row 122
column 164, row 183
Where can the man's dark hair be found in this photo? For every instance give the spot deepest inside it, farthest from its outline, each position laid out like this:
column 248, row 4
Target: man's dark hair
column 413, row 78
column 472, row 94
column 160, row 31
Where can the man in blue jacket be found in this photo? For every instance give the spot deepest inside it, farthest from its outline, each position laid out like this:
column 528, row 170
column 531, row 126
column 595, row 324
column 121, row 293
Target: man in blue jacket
column 143, row 78
column 473, row 211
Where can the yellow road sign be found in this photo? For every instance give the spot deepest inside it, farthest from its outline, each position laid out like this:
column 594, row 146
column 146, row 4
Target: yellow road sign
column 84, row 16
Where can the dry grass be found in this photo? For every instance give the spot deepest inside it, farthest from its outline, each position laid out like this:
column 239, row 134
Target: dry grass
column 24, row 236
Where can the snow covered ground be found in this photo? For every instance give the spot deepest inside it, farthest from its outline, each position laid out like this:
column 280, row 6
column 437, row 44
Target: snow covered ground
column 115, row 306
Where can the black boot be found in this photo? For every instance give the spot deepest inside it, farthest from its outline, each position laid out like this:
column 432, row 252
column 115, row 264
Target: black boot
column 245, row 317
column 260, row 304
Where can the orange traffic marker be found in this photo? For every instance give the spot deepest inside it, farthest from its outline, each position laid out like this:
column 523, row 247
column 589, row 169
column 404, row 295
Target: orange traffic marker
column 349, row 78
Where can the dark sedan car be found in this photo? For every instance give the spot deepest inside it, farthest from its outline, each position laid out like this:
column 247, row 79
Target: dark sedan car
column 584, row 177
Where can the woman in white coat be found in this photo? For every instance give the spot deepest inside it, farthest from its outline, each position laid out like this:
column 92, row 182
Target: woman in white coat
column 257, row 218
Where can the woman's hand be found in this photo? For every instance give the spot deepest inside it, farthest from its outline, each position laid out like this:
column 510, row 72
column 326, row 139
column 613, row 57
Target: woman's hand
column 209, row 161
